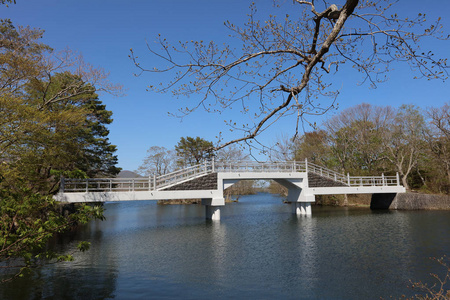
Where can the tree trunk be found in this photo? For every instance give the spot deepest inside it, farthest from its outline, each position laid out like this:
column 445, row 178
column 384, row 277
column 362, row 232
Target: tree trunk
column 405, row 181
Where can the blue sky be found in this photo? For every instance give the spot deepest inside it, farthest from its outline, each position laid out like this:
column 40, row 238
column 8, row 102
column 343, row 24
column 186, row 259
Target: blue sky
column 104, row 32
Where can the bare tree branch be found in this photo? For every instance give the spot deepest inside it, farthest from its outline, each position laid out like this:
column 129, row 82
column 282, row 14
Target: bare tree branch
column 279, row 58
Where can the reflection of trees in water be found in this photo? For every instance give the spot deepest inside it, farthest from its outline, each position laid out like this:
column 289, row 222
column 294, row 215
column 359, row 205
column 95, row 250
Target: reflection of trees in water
column 62, row 283
column 69, row 280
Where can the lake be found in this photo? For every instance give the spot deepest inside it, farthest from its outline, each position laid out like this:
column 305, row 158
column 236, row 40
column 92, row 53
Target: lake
column 259, row 250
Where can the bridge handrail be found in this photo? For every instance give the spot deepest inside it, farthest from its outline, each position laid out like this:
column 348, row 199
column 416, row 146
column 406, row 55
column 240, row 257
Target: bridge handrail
column 182, row 175
column 253, row 166
column 176, row 177
column 354, row 181
column 322, row 171
column 373, row 181
column 105, row 184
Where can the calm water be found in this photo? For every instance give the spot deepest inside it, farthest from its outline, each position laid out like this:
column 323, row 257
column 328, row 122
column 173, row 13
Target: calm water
column 259, row 250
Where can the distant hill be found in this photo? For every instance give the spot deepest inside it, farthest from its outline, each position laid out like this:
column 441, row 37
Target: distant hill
column 128, row 174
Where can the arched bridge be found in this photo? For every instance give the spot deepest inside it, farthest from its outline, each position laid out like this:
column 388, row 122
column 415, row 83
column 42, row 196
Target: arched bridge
column 207, row 181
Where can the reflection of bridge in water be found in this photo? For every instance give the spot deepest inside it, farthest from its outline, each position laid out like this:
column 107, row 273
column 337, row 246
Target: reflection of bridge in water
column 207, row 181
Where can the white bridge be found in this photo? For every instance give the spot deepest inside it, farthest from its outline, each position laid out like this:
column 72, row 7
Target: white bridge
column 207, row 181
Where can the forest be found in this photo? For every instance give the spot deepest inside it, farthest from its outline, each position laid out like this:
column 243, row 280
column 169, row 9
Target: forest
column 369, row 140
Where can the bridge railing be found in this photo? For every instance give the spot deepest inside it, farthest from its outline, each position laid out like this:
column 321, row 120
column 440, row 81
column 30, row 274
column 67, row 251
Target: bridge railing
column 135, row 184
column 373, row 181
column 253, row 166
column 353, row 181
column 179, row 176
column 105, row 185
column 327, row 173
column 176, row 177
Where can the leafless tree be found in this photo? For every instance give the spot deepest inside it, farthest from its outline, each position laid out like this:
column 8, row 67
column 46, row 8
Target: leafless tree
column 284, row 148
column 231, row 153
column 438, row 137
column 355, row 136
column 158, row 161
column 286, row 65
column 403, row 140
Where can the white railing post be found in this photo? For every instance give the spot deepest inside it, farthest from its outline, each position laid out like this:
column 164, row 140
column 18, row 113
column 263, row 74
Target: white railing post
column 110, row 185
column 293, row 166
column 360, row 181
column 154, row 182
column 306, row 165
column 213, row 161
column 398, row 180
column 348, row 179
column 132, row 185
column 383, row 182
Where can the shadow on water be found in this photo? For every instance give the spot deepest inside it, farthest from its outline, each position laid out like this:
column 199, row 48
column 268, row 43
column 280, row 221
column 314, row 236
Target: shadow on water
column 319, row 211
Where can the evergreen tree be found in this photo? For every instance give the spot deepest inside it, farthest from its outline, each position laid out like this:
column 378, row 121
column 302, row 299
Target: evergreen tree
column 192, row 151
column 52, row 123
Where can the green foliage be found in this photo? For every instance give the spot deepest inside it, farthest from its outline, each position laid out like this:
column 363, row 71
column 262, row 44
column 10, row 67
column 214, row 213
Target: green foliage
column 83, row 246
column 90, row 150
column 52, row 125
column 49, row 124
column 192, row 151
column 28, row 221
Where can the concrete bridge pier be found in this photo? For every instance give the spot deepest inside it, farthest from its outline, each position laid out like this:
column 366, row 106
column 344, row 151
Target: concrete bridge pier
column 300, row 202
column 301, row 208
column 212, row 208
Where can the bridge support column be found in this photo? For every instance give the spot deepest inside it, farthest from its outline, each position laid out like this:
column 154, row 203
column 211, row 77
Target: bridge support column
column 301, row 208
column 212, row 208
column 212, row 212
column 299, row 195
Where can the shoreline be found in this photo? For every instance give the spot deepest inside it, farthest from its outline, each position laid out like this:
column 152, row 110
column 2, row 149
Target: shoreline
column 403, row 201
